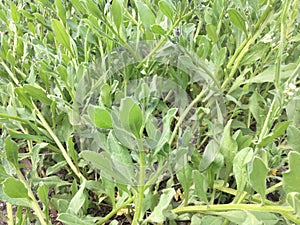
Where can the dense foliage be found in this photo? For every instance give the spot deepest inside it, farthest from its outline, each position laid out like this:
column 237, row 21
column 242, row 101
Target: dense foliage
column 150, row 112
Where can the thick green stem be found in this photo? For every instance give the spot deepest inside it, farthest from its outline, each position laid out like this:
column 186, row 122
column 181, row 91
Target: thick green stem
column 141, row 187
column 285, row 211
column 10, row 216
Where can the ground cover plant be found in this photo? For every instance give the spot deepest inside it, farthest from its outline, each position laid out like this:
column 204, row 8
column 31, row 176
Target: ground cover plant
column 150, row 112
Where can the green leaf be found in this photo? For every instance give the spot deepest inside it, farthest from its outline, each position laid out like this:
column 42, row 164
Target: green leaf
column 42, row 193
column 11, row 151
column 293, row 134
column 117, row 151
column 291, row 178
column 117, row 13
column 268, row 74
column 14, row 188
column 78, row 200
column 60, row 10
column 211, row 151
column 103, row 162
column 100, row 116
column 258, row 176
column 239, row 167
column 135, row 120
column 159, row 213
column 78, row 6
column 61, row 34
column 14, row 13
column 277, row 131
column 228, row 148
column 237, row 20
column 157, row 29
column 37, row 93
column 201, row 185
column 293, row 198
column 70, row 219
column 14, row 201
column 93, row 9
column 167, row 8
column 184, row 175
column 211, row 32
column 146, row 15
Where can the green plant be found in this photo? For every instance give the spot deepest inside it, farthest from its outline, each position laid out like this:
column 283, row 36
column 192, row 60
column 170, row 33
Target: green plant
column 151, row 112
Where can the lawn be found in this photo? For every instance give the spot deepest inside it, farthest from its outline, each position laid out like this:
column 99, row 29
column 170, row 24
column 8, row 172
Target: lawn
column 150, row 112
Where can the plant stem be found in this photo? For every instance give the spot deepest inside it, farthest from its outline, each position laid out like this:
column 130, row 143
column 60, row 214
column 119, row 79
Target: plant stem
column 114, row 211
column 184, row 114
column 244, row 47
column 285, row 211
column 141, row 187
column 10, row 215
column 59, row 144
